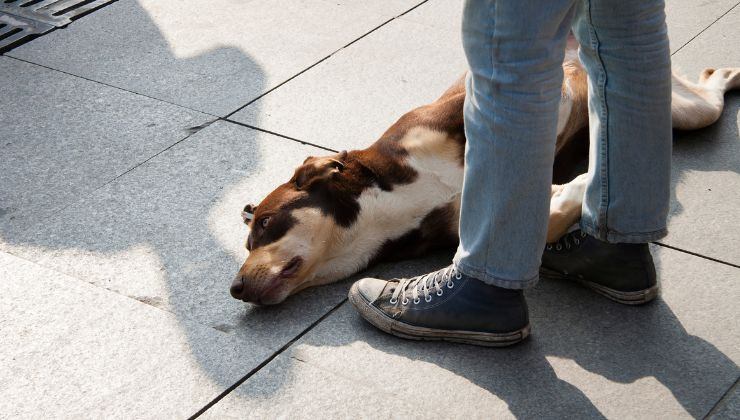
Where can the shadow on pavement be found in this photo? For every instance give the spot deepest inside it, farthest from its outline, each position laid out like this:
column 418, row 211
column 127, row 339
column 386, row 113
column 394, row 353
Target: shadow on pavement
column 166, row 215
column 618, row 343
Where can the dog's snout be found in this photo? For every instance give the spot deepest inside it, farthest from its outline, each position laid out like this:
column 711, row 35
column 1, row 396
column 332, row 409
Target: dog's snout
column 237, row 286
column 257, row 285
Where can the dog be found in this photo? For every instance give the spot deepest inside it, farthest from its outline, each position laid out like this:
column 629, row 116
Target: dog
column 400, row 197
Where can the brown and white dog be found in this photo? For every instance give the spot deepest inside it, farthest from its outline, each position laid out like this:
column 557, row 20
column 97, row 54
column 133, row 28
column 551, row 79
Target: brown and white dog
column 400, row 197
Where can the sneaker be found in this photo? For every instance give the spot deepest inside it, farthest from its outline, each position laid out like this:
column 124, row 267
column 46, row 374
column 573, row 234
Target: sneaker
column 443, row 305
column 624, row 273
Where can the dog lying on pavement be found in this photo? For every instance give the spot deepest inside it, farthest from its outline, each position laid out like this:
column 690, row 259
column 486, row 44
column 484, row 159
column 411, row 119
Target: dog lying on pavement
column 400, row 197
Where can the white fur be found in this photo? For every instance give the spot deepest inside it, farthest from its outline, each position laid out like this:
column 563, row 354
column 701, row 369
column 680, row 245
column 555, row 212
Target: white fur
column 697, row 105
column 303, row 239
column 385, row 215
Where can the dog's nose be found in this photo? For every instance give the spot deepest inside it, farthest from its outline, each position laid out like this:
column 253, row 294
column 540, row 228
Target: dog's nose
column 237, row 286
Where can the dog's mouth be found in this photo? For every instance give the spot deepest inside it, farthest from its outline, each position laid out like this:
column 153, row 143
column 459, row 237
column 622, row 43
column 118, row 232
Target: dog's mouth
column 291, row 268
column 273, row 292
column 289, row 271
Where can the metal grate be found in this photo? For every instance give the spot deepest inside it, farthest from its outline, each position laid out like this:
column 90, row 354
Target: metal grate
column 22, row 20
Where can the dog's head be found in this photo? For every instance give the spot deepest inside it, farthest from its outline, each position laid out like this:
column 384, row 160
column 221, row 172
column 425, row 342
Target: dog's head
column 296, row 228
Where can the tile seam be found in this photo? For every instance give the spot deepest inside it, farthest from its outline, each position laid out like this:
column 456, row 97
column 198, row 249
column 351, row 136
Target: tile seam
column 705, row 29
column 266, row 362
column 100, row 287
column 279, row 85
column 110, row 86
column 685, row 251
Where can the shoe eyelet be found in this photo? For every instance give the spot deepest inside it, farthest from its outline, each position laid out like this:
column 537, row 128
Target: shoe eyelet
column 450, row 285
column 393, row 301
column 567, row 246
column 583, row 234
column 458, row 276
column 428, row 298
column 558, row 247
column 405, row 301
column 416, row 301
column 577, row 242
column 439, row 292
column 549, row 247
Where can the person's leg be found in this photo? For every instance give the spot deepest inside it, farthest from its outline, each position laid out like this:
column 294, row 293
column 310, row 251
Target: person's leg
column 624, row 47
column 515, row 52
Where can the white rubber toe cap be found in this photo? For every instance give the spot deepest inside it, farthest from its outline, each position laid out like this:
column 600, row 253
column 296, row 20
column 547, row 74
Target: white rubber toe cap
column 370, row 288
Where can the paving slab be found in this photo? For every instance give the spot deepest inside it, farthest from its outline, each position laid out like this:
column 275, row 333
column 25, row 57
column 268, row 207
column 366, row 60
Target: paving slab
column 63, row 136
column 288, row 388
column 73, row 350
column 350, row 99
column 214, row 56
column 686, row 18
column 439, row 14
column 587, row 357
column 388, row 9
column 706, row 163
column 170, row 234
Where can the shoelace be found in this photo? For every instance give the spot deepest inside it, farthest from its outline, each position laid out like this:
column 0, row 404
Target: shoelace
column 433, row 282
column 568, row 241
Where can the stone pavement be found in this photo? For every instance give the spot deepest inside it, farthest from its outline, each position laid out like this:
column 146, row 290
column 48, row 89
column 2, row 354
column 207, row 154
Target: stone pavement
column 132, row 139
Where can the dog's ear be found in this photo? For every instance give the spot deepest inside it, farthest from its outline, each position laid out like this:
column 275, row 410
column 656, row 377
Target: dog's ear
column 315, row 170
column 248, row 213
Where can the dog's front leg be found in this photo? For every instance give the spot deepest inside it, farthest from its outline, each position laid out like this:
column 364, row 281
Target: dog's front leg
column 565, row 207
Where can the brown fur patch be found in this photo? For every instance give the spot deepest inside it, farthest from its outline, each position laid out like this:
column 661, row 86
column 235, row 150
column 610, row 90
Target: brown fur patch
column 575, row 86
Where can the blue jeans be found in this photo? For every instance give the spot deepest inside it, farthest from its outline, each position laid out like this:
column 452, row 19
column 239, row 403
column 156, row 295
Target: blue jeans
column 515, row 50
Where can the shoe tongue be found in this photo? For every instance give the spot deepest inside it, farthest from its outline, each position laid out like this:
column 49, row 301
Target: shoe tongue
column 419, row 282
column 390, row 287
column 409, row 287
column 425, row 281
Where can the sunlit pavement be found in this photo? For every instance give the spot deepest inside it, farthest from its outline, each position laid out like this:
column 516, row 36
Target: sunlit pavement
column 131, row 140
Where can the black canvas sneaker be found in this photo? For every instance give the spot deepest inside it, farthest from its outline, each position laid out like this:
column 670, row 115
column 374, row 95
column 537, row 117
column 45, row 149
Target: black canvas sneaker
column 443, row 305
column 622, row 272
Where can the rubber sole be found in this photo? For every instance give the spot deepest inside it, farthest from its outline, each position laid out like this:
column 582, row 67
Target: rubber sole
column 400, row 329
column 639, row 297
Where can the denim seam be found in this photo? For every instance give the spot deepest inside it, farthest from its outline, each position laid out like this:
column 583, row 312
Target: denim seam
column 494, row 9
column 491, row 279
column 603, row 141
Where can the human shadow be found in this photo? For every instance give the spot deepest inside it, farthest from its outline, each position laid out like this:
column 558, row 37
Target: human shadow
column 164, row 229
column 169, row 234
column 620, row 344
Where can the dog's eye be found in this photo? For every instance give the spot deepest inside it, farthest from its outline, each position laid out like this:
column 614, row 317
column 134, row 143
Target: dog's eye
column 264, row 222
